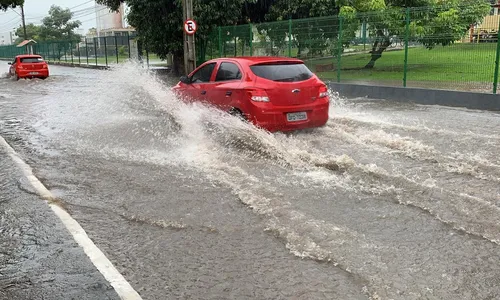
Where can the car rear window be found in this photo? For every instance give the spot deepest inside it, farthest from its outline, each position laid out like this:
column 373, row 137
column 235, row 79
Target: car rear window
column 31, row 60
column 282, row 71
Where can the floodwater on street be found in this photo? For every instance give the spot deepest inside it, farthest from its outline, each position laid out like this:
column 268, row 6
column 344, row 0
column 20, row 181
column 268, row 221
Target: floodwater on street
column 387, row 201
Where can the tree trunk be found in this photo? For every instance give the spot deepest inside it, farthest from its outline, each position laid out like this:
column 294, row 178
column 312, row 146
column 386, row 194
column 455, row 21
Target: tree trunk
column 380, row 45
column 178, row 63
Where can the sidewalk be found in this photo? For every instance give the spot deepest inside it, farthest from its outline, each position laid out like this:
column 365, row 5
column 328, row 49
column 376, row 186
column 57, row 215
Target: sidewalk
column 38, row 257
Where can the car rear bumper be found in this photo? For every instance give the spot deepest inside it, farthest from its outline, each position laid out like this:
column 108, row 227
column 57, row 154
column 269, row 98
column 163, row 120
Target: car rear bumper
column 33, row 73
column 274, row 118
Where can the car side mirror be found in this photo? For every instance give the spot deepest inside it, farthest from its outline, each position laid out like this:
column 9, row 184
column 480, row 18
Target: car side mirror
column 185, row 79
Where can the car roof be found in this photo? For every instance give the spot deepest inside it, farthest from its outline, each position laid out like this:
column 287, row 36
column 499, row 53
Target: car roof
column 250, row 60
column 28, row 55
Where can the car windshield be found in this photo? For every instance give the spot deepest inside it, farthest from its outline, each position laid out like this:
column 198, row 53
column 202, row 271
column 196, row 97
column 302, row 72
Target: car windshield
column 282, row 71
column 31, row 60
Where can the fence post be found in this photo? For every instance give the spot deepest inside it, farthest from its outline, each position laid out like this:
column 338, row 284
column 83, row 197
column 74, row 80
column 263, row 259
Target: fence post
column 71, row 51
column 106, row 50
column 235, row 42
column 79, row 54
column 220, row 40
column 407, row 37
column 364, row 34
column 290, row 37
column 339, row 52
column 251, row 39
column 116, row 49
column 128, row 45
column 497, row 62
column 87, row 49
column 95, row 48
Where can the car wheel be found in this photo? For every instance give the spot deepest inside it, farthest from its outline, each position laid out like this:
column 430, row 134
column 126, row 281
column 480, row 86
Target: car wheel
column 237, row 113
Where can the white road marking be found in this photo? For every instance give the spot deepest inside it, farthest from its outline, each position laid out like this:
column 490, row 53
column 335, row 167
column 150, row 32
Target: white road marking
column 100, row 261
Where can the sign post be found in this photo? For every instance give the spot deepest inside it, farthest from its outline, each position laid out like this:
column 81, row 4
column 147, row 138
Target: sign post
column 190, row 28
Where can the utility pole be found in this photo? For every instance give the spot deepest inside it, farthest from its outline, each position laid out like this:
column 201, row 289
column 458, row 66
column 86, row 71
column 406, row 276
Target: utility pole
column 189, row 49
column 24, row 22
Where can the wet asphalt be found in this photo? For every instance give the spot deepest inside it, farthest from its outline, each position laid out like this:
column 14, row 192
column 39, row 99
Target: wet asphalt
column 388, row 201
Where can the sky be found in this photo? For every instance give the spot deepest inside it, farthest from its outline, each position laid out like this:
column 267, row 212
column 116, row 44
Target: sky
column 36, row 10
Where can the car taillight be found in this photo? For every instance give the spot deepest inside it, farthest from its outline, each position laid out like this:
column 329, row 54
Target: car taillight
column 20, row 67
column 323, row 92
column 44, row 66
column 258, row 95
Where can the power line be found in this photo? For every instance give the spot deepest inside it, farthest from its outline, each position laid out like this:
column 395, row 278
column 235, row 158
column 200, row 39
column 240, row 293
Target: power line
column 81, row 4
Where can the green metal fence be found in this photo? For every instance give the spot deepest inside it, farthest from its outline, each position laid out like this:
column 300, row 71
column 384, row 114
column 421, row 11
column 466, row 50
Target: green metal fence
column 99, row 51
column 342, row 48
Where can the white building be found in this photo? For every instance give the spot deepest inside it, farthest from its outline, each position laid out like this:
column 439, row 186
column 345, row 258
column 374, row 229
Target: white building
column 106, row 19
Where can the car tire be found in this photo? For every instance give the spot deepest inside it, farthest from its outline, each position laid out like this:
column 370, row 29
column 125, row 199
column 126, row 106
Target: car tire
column 237, row 113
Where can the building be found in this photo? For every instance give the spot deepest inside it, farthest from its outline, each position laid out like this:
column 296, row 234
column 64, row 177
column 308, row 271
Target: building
column 106, row 19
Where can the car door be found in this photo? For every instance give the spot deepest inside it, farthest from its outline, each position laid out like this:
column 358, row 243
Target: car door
column 227, row 80
column 199, row 87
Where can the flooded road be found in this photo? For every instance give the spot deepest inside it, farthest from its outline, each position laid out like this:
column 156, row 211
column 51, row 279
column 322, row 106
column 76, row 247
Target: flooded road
column 388, row 201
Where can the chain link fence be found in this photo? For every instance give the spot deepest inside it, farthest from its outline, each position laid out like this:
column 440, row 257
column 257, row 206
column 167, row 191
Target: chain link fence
column 394, row 47
column 98, row 51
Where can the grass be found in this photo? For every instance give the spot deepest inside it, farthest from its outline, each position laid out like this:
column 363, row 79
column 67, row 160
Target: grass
column 456, row 63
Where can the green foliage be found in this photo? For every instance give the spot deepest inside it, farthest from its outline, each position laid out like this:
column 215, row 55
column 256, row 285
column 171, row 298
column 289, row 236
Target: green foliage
column 5, row 4
column 160, row 23
column 32, row 32
column 58, row 25
column 122, row 51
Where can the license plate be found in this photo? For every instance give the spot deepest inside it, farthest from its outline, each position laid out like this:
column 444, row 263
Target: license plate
column 297, row 116
column 33, row 73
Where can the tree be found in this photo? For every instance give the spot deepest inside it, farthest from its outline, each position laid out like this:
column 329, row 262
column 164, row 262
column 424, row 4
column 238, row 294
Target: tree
column 6, row 4
column 159, row 24
column 431, row 22
column 57, row 26
column 32, row 32
column 315, row 35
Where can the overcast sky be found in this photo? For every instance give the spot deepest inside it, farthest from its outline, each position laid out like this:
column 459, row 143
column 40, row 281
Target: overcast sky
column 36, row 10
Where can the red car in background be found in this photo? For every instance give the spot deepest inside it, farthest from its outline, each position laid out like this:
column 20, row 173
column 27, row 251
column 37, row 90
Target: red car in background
column 29, row 66
column 274, row 93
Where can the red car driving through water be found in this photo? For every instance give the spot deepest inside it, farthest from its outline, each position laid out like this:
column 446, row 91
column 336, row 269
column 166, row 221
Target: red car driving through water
column 274, row 93
column 29, row 66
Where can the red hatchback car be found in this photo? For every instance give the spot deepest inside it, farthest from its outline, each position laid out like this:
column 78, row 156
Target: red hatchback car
column 29, row 66
column 274, row 93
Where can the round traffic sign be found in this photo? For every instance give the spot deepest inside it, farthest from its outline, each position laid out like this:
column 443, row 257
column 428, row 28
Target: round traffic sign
column 190, row 26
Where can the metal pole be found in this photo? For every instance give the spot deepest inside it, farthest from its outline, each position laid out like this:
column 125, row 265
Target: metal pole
column 364, row 35
column 116, row 49
column 290, row 37
column 128, row 45
column 79, row 54
column 87, row 50
column 147, row 54
column 106, row 50
column 407, row 37
column 95, row 49
column 71, row 49
column 497, row 62
column 251, row 39
column 220, row 41
column 339, row 52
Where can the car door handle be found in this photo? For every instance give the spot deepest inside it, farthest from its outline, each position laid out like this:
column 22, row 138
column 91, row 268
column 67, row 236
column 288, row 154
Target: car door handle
column 229, row 93
column 203, row 92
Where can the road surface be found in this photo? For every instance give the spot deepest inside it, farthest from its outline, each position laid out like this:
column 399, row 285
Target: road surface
column 388, row 201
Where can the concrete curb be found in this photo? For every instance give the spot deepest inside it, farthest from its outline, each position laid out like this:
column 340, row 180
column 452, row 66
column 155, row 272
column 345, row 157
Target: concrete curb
column 469, row 100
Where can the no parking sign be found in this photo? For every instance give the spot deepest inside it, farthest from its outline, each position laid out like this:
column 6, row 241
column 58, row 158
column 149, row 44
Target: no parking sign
column 190, row 27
